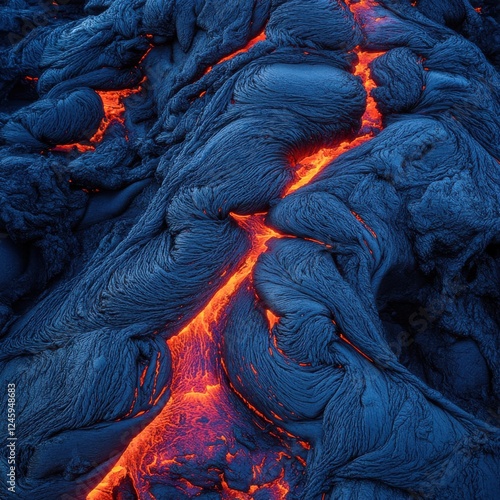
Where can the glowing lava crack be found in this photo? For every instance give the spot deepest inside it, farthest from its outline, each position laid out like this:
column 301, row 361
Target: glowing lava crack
column 199, row 411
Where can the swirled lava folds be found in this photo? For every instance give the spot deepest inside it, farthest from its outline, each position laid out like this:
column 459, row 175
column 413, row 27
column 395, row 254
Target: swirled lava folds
column 250, row 249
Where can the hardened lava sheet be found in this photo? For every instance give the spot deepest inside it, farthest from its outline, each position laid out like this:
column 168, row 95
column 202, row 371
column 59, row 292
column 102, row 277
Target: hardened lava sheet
column 249, row 249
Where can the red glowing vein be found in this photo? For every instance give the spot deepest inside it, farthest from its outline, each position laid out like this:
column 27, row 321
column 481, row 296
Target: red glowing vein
column 114, row 110
column 200, row 390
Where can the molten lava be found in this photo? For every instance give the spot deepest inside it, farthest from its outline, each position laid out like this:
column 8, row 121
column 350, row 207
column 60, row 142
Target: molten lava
column 200, row 396
column 358, row 7
column 372, row 117
column 114, row 110
column 196, row 423
column 259, row 38
column 371, row 122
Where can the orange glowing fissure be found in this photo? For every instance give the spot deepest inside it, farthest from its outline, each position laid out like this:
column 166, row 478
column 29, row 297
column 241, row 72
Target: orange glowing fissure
column 259, row 38
column 114, row 110
column 199, row 392
column 114, row 107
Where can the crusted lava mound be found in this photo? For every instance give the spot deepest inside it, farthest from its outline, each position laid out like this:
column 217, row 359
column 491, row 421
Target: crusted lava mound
column 250, row 249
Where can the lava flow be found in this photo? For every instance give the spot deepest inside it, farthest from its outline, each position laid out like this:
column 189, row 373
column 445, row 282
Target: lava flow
column 371, row 121
column 114, row 110
column 196, row 425
column 259, row 38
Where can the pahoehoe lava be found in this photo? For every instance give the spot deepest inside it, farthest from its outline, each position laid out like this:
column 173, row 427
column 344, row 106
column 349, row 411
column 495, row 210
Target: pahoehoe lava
column 250, row 249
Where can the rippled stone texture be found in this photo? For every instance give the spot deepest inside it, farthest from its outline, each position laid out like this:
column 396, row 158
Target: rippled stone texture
column 250, row 249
